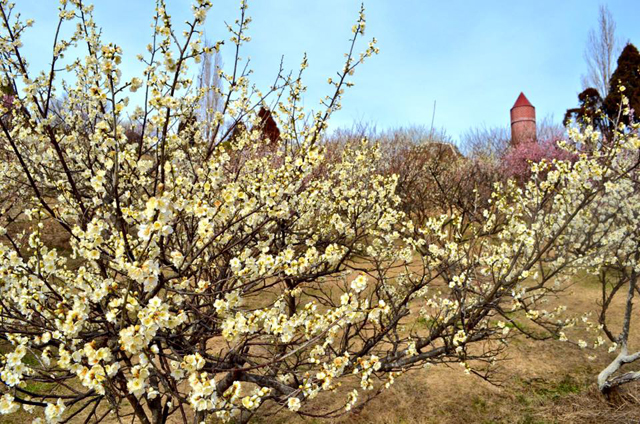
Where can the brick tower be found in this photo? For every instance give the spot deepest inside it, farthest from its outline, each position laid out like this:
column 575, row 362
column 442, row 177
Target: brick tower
column 523, row 121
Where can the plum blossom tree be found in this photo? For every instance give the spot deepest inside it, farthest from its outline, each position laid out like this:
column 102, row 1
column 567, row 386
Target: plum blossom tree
column 610, row 226
column 207, row 276
column 616, row 263
column 517, row 159
column 172, row 231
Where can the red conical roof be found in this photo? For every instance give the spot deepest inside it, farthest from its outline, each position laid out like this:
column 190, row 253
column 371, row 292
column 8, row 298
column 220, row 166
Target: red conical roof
column 522, row 101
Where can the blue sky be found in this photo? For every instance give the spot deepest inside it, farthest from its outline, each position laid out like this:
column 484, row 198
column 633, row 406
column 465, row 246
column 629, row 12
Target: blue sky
column 472, row 57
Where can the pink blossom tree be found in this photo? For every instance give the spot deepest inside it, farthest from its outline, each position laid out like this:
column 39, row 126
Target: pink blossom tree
column 517, row 159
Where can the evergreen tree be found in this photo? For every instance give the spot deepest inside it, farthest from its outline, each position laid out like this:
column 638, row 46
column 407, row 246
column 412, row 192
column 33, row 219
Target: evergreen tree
column 627, row 74
column 589, row 111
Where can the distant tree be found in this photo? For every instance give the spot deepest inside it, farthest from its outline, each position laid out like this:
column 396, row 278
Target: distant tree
column 518, row 159
column 626, row 75
column 589, row 111
column 600, row 52
column 486, row 142
column 601, row 112
column 492, row 143
column 268, row 126
column 433, row 176
column 210, row 83
column 548, row 129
